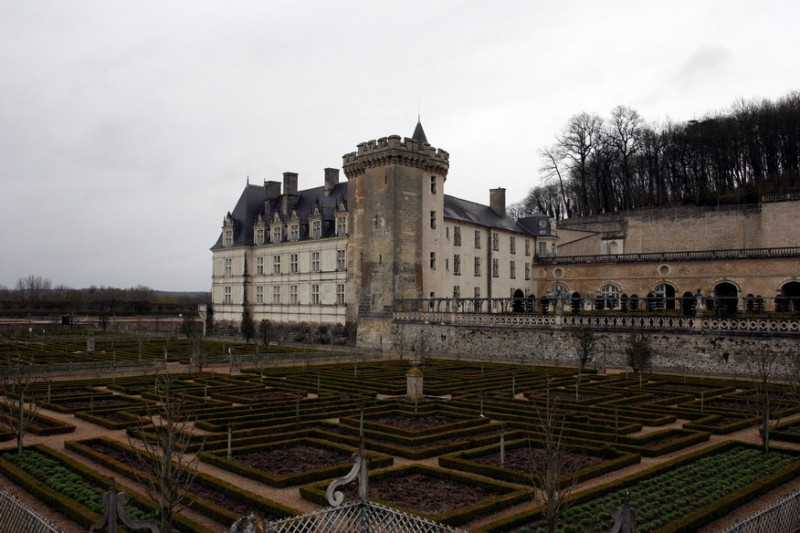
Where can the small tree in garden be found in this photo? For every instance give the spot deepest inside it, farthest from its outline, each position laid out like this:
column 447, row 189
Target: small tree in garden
column 639, row 351
column 586, row 343
column 547, row 468
column 168, row 468
column 763, row 368
column 247, row 327
column 265, row 331
column 17, row 411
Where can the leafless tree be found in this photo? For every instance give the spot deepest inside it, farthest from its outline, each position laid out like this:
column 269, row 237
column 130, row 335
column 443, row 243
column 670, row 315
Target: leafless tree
column 763, row 368
column 168, row 469
column 552, row 494
column 32, row 286
column 15, row 386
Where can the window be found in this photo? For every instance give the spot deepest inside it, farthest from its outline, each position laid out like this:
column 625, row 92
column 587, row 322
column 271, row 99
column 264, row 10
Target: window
column 527, row 247
column 293, row 264
column 495, row 268
column 226, row 295
column 456, row 265
column 456, row 291
column 495, row 242
column 340, row 293
column 276, row 294
column 294, row 232
column 277, row 234
column 527, row 271
column 341, row 226
column 457, row 236
column 276, row 264
column 477, row 292
column 477, row 240
column 314, row 261
column 260, row 294
column 433, row 260
column 477, row 266
column 431, row 302
column 447, row 264
column 227, row 237
column 315, row 294
column 228, row 266
column 610, row 296
column 512, row 245
column 512, row 270
column 259, row 236
column 433, row 219
column 260, row 264
column 293, row 295
column 316, row 229
column 341, row 260
column 433, row 184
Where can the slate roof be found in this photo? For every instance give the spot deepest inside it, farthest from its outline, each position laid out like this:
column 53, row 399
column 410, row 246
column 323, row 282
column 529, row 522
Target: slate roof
column 479, row 214
column 253, row 202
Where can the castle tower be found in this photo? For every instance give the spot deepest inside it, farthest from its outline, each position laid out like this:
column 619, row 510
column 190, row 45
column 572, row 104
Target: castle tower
column 396, row 203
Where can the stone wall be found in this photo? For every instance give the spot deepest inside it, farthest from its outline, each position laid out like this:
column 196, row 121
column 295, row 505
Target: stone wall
column 693, row 352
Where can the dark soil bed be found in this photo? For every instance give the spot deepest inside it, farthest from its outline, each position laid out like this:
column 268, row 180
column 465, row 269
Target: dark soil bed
column 415, row 422
column 292, row 459
column 423, row 494
column 530, row 460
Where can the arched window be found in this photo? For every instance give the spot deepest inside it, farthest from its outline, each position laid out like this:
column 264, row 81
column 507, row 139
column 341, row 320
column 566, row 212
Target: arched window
column 664, row 295
column 726, row 298
column 791, row 296
column 609, row 297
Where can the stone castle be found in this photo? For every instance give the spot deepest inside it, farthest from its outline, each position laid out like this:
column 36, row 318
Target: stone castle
column 389, row 239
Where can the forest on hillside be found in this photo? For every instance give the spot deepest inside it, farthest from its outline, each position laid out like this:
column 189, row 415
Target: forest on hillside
column 604, row 165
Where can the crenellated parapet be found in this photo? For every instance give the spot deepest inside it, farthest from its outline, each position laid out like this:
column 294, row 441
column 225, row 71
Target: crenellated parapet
column 394, row 150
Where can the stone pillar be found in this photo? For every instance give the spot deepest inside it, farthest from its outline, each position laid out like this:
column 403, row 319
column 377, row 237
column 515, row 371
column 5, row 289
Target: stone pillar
column 414, row 383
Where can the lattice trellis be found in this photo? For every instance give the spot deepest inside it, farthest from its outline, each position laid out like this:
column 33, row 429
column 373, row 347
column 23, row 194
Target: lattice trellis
column 360, row 517
column 784, row 515
column 15, row 516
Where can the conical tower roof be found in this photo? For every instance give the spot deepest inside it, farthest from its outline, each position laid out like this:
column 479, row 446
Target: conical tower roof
column 419, row 133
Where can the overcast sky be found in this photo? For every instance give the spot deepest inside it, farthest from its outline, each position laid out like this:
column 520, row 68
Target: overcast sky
column 129, row 129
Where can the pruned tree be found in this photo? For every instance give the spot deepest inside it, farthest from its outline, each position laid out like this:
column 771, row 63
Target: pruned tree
column 547, row 467
column 763, row 368
column 586, row 344
column 168, row 469
column 247, row 327
column 638, row 351
column 17, row 411
column 265, row 331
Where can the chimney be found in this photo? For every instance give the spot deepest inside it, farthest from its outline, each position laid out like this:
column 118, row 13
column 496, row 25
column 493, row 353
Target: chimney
column 272, row 189
column 331, row 179
column 290, row 183
column 497, row 201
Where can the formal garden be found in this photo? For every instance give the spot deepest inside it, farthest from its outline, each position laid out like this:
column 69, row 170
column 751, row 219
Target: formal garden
column 486, row 448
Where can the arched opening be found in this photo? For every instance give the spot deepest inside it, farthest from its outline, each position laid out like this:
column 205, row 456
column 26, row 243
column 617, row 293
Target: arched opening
column 575, row 303
column 530, row 304
column 664, row 297
column 726, row 298
column 791, row 296
column 518, row 303
column 688, row 304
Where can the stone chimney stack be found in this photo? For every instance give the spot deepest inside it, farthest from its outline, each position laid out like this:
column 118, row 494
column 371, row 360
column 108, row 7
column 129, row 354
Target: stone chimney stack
column 331, row 179
column 290, row 183
column 497, row 201
column 272, row 189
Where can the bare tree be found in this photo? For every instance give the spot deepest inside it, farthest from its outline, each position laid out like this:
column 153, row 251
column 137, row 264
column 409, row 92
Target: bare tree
column 763, row 367
column 586, row 344
column 547, row 468
column 168, row 468
column 31, row 286
column 15, row 386
column 639, row 351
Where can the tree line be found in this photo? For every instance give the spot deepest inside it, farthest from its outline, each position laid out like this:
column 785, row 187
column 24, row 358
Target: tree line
column 36, row 294
column 603, row 165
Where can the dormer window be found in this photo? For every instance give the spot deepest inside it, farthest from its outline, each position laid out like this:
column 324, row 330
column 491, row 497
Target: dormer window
column 227, row 237
column 258, row 236
column 294, row 232
column 316, row 229
column 277, row 234
column 341, row 225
